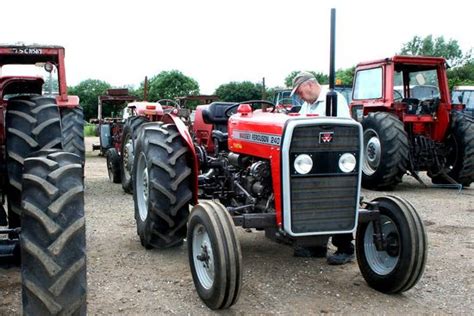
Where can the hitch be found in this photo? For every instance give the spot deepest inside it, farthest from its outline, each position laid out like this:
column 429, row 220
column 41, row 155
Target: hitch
column 372, row 214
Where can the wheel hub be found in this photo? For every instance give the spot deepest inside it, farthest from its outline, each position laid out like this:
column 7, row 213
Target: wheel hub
column 373, row 152
column 203, row 256
column 142, row 182
column 382, row 262
column 127, row 158
column 393, row 245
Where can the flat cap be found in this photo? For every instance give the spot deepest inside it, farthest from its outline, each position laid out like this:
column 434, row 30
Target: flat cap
column 301, row 78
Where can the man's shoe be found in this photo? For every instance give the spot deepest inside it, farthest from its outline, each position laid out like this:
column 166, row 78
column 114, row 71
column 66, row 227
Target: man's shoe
column 339, row 258
column 310, row 252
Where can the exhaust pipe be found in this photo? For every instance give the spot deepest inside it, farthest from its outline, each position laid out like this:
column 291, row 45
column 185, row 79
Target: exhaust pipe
column 331, row 97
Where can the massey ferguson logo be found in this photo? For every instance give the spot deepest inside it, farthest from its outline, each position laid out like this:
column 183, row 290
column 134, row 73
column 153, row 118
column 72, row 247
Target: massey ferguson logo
column 326, row 137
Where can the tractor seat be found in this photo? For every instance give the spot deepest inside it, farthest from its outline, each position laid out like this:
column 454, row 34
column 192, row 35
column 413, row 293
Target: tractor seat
column 215, row 114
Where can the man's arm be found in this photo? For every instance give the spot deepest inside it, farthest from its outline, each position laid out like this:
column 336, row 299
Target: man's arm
column 342, row 106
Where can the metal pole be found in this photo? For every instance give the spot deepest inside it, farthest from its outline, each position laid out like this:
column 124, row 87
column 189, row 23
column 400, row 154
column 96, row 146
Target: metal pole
column 331, row 97
column 264, row 91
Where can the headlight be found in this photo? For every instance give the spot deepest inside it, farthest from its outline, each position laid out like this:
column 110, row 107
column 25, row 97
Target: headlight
column 303, row 164
column 347, row 162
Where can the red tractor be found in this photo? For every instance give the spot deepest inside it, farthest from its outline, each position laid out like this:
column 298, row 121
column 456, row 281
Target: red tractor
column 295, row 177
column 410, row 124
column 42, row 159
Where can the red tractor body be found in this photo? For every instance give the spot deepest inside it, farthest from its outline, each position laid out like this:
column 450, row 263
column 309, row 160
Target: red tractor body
column 413, row 91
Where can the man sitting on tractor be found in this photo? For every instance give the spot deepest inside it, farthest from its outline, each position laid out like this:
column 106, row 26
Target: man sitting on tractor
column 307, row 87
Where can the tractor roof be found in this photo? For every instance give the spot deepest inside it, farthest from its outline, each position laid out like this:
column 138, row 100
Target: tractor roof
column 30, row 54
column 413, row 60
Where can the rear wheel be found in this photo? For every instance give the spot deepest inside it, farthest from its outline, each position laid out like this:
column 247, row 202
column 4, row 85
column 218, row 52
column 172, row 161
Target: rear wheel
column 53, row 235
column 460, row 144
column 386, row 153
column 113, row 165
column 128, row 145
column 161, row 186
column 399, row 267
column 32, row 124
column 73, row 131
column 214, row 255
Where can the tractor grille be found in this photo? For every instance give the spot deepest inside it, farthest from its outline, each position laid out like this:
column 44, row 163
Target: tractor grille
column 325, row 199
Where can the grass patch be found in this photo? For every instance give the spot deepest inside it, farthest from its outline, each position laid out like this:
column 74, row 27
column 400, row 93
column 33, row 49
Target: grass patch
column 89, row 130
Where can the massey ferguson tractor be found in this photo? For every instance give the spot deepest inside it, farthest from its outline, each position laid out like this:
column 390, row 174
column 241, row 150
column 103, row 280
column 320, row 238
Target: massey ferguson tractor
column 41, row 175
column 296, row 177
column 410, row 124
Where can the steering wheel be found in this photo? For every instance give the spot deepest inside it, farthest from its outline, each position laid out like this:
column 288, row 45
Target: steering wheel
column 173, row 103
column 397, row 96
column 232, row 109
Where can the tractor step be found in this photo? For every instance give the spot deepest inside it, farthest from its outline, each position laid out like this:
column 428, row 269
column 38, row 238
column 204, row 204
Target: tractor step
column 9, row 253
column 95, row 147
column 10, row 231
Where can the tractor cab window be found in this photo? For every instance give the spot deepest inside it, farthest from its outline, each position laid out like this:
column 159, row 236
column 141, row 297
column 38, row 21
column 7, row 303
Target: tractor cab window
column 38, row 70
column 423, row 85
column 368, row 84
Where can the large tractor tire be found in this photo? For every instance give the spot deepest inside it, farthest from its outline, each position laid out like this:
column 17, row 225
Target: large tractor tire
column 128, row 145
column 161, row 186
column 214, row 255
column 399, row 267
column 386, row 151
column 53, row 251
column 32, row 124
column 73, row 131
column 460, row 143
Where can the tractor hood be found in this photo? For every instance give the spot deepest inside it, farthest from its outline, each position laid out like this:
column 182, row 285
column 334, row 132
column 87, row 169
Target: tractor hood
column 259, row 133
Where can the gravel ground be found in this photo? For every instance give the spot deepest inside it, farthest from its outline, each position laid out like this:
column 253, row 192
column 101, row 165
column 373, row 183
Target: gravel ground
column 124, row 278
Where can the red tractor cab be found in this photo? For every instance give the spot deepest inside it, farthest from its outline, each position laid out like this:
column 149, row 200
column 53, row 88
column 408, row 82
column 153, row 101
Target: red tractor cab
column 409, row 123
column 41, row 177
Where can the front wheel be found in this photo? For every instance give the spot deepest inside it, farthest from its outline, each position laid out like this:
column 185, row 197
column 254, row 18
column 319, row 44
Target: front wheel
column 400, row 265
column 214, row 255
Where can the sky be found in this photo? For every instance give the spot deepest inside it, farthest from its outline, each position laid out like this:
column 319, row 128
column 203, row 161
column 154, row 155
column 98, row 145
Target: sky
column 216, row 42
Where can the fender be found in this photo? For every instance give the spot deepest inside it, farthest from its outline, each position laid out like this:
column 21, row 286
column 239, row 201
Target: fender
column 71, row 102
column 186, row 136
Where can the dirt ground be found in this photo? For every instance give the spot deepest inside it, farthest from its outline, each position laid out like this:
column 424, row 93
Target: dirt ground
column 124, row 278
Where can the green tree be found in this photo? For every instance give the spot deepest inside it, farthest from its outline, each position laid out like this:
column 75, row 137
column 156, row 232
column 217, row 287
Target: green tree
column 463, row 75
column 345, row 76
column 321, row 77
column 88, row 92
column 239, row 91
column 438, row 47
column 169, row 85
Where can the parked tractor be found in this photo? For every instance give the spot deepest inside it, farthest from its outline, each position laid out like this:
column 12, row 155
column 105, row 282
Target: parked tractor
column 296, row 177
column 42, row 159
column 410, row 124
